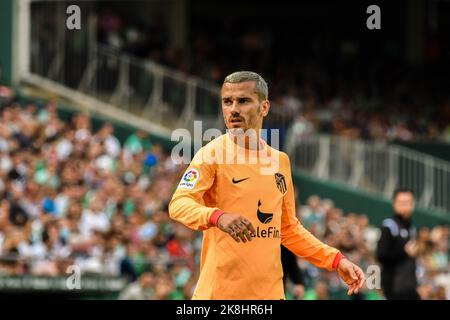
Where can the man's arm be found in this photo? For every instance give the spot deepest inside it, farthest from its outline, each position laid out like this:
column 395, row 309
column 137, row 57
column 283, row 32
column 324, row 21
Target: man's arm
column 301, row 242
column 187, row 205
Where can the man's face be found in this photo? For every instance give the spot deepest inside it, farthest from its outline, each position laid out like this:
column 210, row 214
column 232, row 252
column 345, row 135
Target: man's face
column 107, row 130
column 147, row 280
column 241, row 107
column 404, row 204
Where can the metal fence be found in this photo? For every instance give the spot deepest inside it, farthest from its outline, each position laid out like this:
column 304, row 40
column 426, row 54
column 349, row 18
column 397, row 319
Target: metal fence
column 375, row 167
column 167, row 97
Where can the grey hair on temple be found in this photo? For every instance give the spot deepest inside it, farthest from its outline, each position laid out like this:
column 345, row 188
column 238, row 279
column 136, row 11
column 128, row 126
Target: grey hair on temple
column 242, row 76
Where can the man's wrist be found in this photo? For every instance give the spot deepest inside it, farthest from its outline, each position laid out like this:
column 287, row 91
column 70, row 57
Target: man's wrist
column 215, row 216
column 339, row 256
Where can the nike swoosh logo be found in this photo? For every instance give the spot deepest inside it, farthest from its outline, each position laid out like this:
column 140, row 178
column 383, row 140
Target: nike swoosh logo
column 240, row 180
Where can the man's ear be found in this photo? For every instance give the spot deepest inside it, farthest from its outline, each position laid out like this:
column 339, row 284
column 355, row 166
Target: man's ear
column 265, row 107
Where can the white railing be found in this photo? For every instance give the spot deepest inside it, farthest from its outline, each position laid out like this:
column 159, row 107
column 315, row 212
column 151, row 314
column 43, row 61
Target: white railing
column 167, row 97
column 375, row 167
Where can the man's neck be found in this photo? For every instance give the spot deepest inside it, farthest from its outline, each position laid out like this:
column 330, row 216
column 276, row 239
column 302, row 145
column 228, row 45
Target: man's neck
column 250, row 142
column 402, row 218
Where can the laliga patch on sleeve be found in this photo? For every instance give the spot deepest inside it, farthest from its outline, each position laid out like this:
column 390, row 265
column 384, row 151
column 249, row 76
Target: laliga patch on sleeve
column 189, row 179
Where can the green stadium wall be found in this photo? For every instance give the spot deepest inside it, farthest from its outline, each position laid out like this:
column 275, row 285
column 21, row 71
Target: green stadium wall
column 6, row 40
column 435, row 149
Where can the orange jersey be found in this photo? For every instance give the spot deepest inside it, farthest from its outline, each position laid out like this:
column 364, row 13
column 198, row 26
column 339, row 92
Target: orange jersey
column 263, row 193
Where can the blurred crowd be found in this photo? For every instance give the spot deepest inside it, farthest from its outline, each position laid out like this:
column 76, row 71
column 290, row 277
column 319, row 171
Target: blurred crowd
column 72, row 194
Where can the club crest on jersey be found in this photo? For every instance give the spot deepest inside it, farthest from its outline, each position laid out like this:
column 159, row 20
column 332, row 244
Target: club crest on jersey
column 189, row 179
column 281, row 183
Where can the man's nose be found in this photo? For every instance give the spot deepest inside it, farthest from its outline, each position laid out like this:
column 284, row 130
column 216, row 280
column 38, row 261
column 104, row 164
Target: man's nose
column 234, row 107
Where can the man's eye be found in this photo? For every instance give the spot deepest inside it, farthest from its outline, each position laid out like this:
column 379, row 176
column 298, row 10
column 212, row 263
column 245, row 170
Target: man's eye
column 243, row 100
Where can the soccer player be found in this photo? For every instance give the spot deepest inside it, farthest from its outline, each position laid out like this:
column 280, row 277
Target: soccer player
column 239, row 192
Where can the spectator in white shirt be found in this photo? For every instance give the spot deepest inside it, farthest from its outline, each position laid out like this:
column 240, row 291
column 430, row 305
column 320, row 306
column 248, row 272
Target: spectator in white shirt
column 94, row 219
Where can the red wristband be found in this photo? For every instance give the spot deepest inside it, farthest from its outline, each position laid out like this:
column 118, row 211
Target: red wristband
column 215, row 216
column 337, row 259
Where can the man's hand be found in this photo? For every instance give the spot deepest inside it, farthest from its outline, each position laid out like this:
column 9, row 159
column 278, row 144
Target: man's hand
column 351, row 274
column 236, row 226
column 411, row 248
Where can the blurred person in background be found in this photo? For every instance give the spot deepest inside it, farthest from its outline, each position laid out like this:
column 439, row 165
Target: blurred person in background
column 313, row 213
column 142, row 289
column 397, row 250
column 292, row 271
